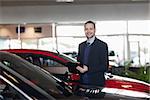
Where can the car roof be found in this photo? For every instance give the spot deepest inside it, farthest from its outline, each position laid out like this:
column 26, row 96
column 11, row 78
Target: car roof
column 40, row 52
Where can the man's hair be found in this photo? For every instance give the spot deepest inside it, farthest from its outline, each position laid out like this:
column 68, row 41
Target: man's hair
column 89, row 22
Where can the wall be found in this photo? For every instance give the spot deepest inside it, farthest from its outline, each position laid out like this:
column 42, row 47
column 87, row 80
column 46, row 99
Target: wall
column 9, row 31
column 46, row 14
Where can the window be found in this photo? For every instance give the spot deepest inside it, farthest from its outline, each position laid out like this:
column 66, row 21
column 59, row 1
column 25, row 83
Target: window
column 20, row 29
column 52, row 63
column 38, row 29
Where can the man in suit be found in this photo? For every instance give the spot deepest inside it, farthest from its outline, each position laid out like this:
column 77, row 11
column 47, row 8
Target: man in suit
column 93, row 58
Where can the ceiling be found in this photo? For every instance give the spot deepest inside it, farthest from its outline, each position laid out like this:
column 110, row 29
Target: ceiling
column 53, row 2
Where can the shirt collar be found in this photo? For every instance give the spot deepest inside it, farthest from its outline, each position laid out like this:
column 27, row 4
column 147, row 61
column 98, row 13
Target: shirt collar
column 91, row 40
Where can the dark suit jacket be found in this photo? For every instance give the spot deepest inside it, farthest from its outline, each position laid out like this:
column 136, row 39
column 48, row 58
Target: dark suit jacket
column 97, row 61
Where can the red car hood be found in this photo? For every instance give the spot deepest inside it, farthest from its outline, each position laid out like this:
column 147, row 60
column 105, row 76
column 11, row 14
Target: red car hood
column 126, row 86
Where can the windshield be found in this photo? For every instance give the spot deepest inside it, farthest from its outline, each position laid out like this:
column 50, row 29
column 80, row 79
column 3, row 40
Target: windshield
column 68, row 58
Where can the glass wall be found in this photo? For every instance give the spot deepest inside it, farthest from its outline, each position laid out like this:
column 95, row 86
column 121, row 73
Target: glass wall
column 4, row 43
column 115, row 34
column 68, row 36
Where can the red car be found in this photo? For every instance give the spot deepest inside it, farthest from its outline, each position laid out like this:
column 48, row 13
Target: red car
column 57, row 64
column 63, row 67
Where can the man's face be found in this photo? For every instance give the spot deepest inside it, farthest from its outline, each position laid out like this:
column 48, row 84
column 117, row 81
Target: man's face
column 89, row 30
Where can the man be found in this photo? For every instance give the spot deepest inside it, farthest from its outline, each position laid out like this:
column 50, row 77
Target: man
column 93, row 58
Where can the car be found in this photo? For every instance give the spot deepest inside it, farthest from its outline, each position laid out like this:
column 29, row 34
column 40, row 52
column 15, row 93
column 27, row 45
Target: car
column 21, row 80
column 122, row 87
column 60, row 65
column 126, row 86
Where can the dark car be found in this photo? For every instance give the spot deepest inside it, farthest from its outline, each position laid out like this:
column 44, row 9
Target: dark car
column 21, row 80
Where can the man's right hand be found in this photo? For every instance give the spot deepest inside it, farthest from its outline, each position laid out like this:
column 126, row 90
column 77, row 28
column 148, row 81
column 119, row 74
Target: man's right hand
column 82, row 69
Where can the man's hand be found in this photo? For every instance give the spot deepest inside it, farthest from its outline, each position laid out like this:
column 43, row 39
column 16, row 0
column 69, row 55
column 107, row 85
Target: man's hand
column 82, row 69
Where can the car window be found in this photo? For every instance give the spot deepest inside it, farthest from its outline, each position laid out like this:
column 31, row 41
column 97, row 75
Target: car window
column 51, row 63
column 42, row 61
column 67, row 57
column 29, row 73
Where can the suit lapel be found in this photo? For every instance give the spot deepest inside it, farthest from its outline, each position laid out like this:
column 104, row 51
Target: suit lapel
column 82, row 50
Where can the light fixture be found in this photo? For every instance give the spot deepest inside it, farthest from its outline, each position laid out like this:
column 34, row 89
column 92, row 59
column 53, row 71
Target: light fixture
column 138, row 0
column 64, row 0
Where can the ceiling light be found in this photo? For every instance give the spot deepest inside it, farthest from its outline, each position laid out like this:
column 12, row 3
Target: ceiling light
column 64, row 0
column 138, row 0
